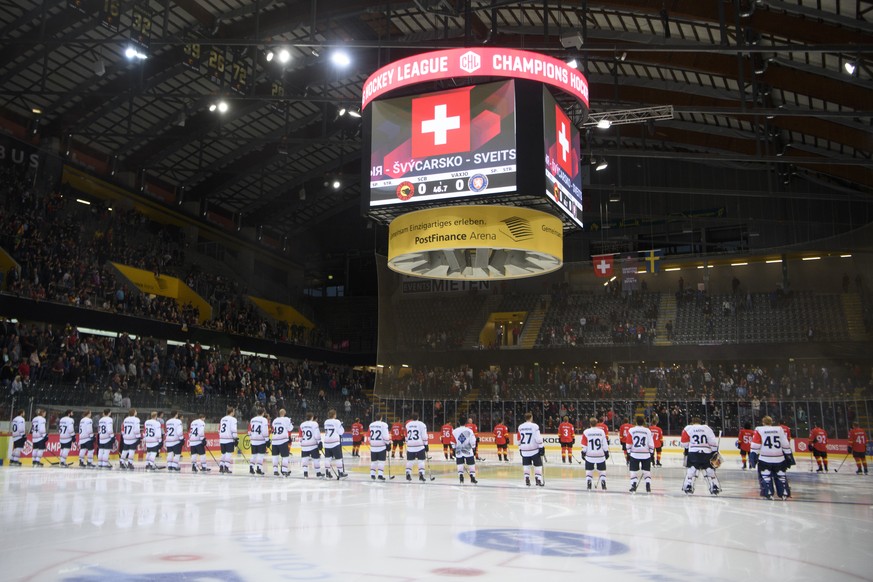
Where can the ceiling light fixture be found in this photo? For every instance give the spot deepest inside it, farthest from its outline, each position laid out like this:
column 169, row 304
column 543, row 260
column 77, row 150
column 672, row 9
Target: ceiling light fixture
column 269, row 56
column 341, row 58
column 604, row 124
column 284, row 56
column 601, row 165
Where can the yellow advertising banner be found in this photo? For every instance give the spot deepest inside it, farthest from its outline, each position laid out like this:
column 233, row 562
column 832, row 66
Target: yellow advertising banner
column 281, row 312
column 165, row 286
column 476, row 243
column 6, row 263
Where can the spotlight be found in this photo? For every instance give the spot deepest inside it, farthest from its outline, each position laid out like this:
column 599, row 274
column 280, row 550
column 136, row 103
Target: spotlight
column 572, row 63
column 604, row 124
column 213, row 107
column 341, row 58
column 354, row 113
column 850, row 67
column 342, row 111
column 130, row 52
column 284, row 56
column 601, row 165
column 314, row 52
column 222, row 106
column 36, row 111
column 336, row 183
column 269, row 56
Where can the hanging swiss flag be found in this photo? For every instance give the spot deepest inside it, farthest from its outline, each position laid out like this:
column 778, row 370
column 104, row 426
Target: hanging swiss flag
column 441, row 124
column 564, row 138
column 602, row 265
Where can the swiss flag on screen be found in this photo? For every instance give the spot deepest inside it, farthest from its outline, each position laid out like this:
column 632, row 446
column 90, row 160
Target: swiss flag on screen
column 564, row 140
column 602, row 265
column 441, row 124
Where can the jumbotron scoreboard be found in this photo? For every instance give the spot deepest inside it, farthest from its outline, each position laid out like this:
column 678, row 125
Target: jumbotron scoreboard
column 442, row 145
column 496, row 137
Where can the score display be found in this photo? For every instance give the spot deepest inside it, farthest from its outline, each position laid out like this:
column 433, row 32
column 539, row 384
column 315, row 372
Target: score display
column 563, row 180
column 448, row 144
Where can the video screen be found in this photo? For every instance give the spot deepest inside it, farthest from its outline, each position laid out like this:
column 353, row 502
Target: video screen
column 448, row 144
column 562, row 151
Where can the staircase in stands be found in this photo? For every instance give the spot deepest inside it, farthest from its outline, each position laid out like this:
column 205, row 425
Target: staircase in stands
column 666, row 312
column 534, row 323
column 648, row 400
column 854, row 314
column 473, row 331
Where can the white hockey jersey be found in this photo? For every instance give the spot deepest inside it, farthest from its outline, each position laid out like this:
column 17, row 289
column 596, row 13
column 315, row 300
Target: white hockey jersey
column 37, row 429
column 640, row 444
column 196, row 432
column 66, row 429
column 310, row 435
column 594, row 445
column 529, row 439
column 379, row 436
column 152, row 432
column 416, row 436
column 175, row 432
column 130, row 430
column 699, row 438
column 259, row 430
column 771, row 444
column 227, row 430
column 333, row 433
column 19, row 427
column 86, row 429
column 464, row 441
column 282, row 427
column 104, row 429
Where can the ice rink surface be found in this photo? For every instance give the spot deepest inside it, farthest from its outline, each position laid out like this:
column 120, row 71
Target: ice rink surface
column 113, row 526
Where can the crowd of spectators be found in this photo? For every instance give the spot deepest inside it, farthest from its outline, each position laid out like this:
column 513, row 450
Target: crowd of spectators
column 105, row 370
column 63, row 247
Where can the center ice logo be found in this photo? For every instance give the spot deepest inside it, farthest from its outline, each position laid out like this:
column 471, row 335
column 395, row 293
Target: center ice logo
column 542, row 543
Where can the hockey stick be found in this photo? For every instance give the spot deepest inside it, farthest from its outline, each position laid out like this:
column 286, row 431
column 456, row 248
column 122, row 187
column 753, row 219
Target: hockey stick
column 427, row 469
column 837, row 470
column 387, row 456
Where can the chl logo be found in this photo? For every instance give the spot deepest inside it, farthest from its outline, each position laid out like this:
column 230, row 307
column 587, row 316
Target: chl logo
column 470, row 62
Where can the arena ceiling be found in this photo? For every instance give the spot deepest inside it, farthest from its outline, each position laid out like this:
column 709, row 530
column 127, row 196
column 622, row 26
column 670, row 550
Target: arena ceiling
column 754, row 85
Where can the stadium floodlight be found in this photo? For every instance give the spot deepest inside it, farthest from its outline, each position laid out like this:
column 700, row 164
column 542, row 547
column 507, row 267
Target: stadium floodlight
column 284, row 56
column 269, row 56
column 606, row 119
column 573, row 63
column 604, row 124
column 601, row 165
column 850, row 67
column 341, row 58
column 354, row 113
column 336, row 183
column 222, row 106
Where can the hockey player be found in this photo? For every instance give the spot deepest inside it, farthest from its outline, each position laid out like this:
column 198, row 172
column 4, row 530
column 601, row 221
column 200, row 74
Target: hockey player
column 310, row 445
column 357, row 430
column 446, row 440
column 530, row 447
column 818, row 444
column 501, row 439
column 658, row 439
column 19, row 437
column 333, row 445
column 131, row 432
column 416, row 446
column 769, row 451
column 566, row 436
column 66, row 434
column 463, row 440
column 858, row 447
column 282, row 428
column 622, row 437
column 105, row 438
column 641, row 451
column 259, row 435
column 175, row 436
column 197, row 444
column 475, row 428
column 379, row 441
column 595, row 449
column 227, row 440
column 86, row 440
column 744, row 441
column 38, row 437
column 397, row 436
column 700, row 443
column 153, row 438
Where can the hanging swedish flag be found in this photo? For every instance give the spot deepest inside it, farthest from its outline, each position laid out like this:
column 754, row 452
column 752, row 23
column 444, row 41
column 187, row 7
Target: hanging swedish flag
column 652, row 260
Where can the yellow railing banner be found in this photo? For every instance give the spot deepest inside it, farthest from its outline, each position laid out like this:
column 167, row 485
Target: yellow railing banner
column 281, row 312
